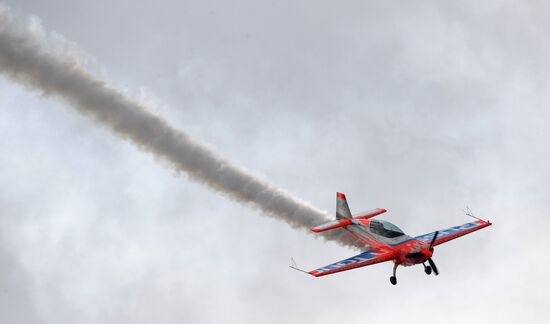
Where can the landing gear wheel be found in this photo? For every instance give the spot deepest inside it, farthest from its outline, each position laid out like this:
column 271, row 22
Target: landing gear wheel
column 393, row 280
column 428, row 270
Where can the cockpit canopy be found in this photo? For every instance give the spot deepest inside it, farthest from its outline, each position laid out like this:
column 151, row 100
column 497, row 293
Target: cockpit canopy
column 385, row 229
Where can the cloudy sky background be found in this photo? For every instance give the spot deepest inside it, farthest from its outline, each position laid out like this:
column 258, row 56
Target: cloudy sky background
column 420, row 108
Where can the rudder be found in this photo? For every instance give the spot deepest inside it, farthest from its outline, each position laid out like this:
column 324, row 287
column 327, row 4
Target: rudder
column 342, row 208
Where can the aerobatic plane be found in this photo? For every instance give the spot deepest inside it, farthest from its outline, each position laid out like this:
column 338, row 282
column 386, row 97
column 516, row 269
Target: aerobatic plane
column 386, row 242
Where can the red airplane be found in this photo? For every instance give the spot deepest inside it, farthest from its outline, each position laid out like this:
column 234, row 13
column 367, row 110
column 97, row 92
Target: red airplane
column 386, row 241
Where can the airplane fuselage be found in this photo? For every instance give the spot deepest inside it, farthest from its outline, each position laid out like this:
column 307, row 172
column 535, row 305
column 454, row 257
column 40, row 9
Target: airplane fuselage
column 386, row 236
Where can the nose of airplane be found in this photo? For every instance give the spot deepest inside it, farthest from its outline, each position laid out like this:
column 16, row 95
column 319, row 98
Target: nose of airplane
column 427, row 253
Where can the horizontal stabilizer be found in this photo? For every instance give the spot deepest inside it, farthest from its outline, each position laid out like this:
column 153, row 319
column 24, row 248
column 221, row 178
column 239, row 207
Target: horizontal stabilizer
column 332, row 225
column 370, row 213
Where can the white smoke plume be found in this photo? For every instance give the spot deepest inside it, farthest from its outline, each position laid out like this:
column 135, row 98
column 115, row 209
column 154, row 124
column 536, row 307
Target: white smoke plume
column 27, row 58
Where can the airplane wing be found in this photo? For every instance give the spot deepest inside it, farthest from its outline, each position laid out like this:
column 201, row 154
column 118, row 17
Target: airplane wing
column 361, row 260
column 454, row 232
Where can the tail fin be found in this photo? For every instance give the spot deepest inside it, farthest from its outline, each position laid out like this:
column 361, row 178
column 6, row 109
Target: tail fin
column 343, row 215
column 342, row 209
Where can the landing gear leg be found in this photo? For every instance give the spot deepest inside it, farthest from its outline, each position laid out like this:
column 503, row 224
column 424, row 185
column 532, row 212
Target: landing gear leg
column 393, row 279
column 427, row 269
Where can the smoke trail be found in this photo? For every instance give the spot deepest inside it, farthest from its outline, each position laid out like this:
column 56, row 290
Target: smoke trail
column 27, row 59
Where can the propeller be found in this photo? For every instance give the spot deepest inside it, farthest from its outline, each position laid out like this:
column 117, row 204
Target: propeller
column 431, row 248
column 432, row 264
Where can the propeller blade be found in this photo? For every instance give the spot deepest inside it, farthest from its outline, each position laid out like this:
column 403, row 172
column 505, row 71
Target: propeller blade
column 433, row 241
column 432, row 264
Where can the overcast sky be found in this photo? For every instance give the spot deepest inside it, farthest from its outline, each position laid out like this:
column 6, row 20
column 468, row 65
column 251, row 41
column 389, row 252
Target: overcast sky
column 421, row 108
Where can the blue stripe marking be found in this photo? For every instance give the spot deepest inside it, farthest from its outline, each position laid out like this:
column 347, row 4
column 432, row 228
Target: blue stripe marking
column 365, row 256
column 456, row 229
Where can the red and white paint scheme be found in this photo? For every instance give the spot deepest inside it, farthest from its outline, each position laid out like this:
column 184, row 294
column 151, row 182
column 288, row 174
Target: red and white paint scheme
column 385, row 241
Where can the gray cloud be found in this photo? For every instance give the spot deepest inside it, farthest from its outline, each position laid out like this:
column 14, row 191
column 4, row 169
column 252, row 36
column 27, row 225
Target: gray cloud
column 418, row 108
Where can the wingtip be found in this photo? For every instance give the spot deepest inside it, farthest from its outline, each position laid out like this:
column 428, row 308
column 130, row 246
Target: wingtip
column 314, row 273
